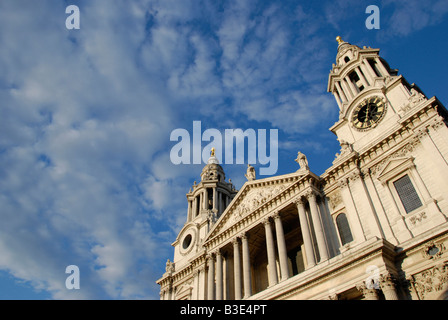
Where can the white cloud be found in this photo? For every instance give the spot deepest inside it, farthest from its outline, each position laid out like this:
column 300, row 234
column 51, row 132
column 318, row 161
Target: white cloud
column 86, row 117
column 81, row 124
column 414, row 15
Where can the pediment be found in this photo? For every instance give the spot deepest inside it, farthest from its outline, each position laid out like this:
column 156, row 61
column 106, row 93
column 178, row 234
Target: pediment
column 253, row 195
column 184, row 291
column 393, row 167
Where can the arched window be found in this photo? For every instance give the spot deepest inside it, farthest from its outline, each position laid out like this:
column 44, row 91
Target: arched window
column 344, row 229
column 346, row 59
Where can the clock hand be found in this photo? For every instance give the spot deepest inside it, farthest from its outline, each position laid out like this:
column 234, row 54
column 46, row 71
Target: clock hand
column 367, row 112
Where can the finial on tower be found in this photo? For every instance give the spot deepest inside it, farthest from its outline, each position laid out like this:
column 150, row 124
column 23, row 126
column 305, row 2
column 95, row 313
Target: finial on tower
column 212, row 154
column 339, row 40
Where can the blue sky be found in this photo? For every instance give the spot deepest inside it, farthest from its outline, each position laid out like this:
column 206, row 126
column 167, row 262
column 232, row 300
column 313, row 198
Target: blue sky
column 86, row 117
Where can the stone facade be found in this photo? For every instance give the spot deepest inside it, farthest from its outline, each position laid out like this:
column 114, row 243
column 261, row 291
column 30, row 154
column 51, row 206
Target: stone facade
column 373, row 226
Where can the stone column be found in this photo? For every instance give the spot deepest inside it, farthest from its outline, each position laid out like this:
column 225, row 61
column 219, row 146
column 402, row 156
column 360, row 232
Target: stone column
column 237, row 268
column 387, row 285
column 352, row 86
column 361, row 77
column 270, row 248
column 211, row 278
column 195, row 207
column 320, row 236
column 205, row 199
column 370, row 71
column 341, row 92
column 219, row 275
column 246, row 266
column 352, row 212
column 368, row 76
column 306, row 234
column 381, row 67
column 346, row 88
column 189, row 215
column 215, row 199
column 338, row 99
column 282, row 253
column 220, row 205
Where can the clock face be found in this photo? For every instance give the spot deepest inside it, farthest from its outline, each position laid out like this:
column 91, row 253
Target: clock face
column 368, row 113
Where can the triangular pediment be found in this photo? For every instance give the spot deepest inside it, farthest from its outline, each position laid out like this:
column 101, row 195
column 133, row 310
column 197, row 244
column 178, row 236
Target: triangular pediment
column 253, row 195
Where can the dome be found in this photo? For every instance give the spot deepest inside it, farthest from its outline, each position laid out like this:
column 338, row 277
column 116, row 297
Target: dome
column 212, row 170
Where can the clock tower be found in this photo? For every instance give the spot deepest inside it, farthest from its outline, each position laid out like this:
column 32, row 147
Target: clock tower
column 371, row 96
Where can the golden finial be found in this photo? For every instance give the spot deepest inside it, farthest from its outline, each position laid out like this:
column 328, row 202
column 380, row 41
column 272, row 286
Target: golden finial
column 339, row 40
column 213, row 152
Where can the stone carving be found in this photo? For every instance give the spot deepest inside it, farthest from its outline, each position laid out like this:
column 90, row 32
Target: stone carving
column 169, row 267
column 250, row 174
column 335, row 200
column 212, row 216
column 402, row 152
column 346, row 148
column 254, row 199
column 415, row 98
column 433, row 250
column 430, row 281
column 302, row 161
column 417, row 218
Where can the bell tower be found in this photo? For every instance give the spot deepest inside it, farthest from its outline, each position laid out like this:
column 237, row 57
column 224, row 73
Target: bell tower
column 371, row 96
column 207, row 200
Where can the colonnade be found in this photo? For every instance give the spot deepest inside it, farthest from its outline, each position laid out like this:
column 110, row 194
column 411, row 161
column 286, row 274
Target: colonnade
column 220, row 200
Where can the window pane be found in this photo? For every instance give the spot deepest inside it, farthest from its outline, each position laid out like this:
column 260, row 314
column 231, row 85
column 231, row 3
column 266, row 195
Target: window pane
column 344, row 229
column 408, row 196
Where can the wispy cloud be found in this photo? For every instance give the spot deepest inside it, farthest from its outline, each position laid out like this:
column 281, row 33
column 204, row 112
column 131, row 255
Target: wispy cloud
column 413, row 15
column 86, row 115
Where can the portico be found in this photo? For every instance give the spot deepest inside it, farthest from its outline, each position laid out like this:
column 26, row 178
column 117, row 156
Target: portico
column 279, row 244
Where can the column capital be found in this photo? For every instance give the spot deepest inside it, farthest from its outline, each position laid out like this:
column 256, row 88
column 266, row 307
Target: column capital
column 368, row 292
column 365, row 172
column 266, row 221
column 276, row 215
column 299, row 201
column 437, row 122
column 199, row 269
column 235, row 241
column 209, row 256
column 310, row 194
column 244, row 236
column 355, row 175
column 421, row 133
column 343, row 183
column 387, row 281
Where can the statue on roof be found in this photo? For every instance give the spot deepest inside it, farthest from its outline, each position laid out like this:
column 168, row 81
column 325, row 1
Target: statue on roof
column 250, row 174
column 302, row 161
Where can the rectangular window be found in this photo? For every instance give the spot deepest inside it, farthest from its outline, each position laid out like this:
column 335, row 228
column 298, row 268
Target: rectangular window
column 408, row 196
